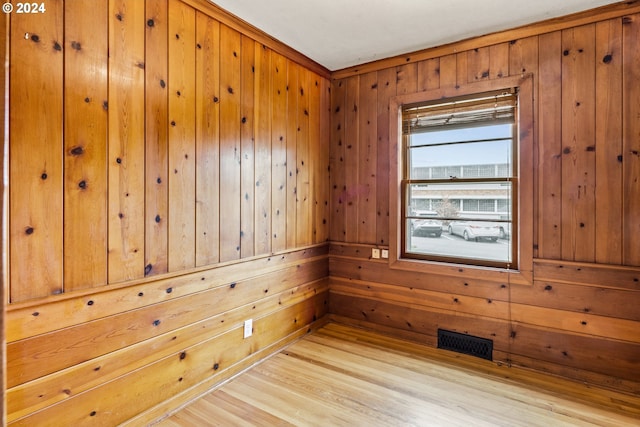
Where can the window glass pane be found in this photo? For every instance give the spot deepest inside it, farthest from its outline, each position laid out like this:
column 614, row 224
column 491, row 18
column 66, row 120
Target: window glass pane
column 452, row 200
column 451, row 220
column 480, row 159
column 465, row 239
column 458, row 206
column 476, row 133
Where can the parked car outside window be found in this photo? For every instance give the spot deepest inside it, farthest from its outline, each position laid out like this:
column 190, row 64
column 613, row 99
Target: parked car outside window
column 426, row 227
column 475, row 230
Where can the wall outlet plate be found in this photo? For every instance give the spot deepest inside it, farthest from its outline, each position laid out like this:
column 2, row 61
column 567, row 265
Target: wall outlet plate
column 375, row 253
column 248, row 328
column 385, row 253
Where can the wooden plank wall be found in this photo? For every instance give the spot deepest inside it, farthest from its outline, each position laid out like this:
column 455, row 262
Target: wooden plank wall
column 579, row 316
column 4, row 36
column 167, row 181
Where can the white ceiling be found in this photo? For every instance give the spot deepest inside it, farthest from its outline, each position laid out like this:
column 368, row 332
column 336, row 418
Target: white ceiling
column 342, row 33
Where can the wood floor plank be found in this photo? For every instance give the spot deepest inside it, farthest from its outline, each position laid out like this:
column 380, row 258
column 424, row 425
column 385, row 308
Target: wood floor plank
column 345, row 376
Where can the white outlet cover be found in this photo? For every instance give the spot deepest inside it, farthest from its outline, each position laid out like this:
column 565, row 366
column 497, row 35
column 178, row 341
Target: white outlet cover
column 248, row 328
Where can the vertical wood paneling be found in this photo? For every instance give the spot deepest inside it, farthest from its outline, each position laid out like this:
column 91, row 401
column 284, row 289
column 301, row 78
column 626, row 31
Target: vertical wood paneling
column 478, row 65
column 292, row 134
column 337, row 225
column 448, row 70
column 156, row 248
column 35, row 169
column 407, row 78
column 263, row 122
column 247, row 149
column 498, row 61
column 126, row 140
column 578, row 141
column 352, row 159
column 182, row 103
column 462, row 71
column 207, row 140
column 4, row 289
column 85, row 177
column 304, row 227
column 428, row 74
column 550, row 146
column 319, row 104
column 368, row 158
column 523, row 56
column 386, row 90
column 229, row 144
column 631, row 138
column 279, row 153
column 608, row 126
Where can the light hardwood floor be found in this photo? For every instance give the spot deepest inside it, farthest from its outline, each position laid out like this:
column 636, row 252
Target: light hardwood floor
column 343, row 376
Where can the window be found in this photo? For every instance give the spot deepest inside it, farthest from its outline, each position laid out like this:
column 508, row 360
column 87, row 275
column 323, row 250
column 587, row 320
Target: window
column 459, row 180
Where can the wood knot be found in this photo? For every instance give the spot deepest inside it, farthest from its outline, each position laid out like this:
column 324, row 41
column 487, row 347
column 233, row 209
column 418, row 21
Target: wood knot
column 183, row 355
column 216, row 366
column 156, row 322
column 169, row 290
column 607, row 59
column 77, row 151
column 158, row 219
column 566, row 52
column 548, row 288
column 29, row 231
column 150, row 23
column 34, row 38
column 162, row 84
column 147, row 270
column 76, row 45
column 90, row 302
column 82, row 184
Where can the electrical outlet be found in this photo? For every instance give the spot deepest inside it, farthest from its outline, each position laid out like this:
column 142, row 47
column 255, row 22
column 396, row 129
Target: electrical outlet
column 385, row 253
column 375, row 253
column 248, row 328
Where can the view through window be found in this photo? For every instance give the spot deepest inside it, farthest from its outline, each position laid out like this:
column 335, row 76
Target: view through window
column 460, row 180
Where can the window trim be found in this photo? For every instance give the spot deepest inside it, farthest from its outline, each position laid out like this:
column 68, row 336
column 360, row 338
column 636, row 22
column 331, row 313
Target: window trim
column 524, row 164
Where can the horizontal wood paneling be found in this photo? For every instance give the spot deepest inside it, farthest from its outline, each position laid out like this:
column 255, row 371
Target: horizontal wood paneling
column 80, row 358
column 578, row 305
column 140, row 227
column 110, row 404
